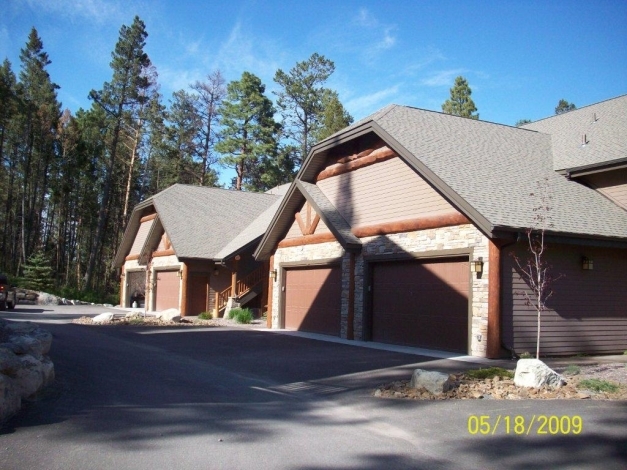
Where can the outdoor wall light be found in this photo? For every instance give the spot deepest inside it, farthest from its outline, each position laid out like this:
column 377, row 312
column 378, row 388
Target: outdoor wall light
column 476, row 266
column 273, row 274
column 587, row 264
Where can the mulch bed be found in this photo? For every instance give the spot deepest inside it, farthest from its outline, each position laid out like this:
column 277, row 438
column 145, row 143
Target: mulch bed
column 466, row 388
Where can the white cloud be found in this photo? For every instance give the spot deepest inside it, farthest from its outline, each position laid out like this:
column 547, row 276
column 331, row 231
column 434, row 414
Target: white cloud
column 443, row 78
column 97, row 11
column 361, row 106
column 241, row 52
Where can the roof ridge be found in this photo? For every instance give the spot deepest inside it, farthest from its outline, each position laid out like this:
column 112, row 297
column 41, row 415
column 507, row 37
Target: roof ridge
column 576, row 110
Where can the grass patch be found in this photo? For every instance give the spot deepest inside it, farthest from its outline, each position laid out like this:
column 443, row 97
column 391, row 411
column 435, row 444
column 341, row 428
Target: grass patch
column 572, row 369
column 526, row 355
column 597, row 385
column 490, row 373
column 205, row 316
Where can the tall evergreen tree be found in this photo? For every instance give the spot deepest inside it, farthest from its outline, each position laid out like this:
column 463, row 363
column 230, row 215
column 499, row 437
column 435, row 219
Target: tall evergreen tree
column 333, row 118
column 248, row 127
column 119, row 98
column 210, row 94
column 39, row 116
column 460, row 103
column 301, row 100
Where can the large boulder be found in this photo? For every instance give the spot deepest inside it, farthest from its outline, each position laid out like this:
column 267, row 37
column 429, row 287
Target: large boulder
column 171, row 314
column 103, row 318
column 434, row 382
column 533, row 373
column 24, row 366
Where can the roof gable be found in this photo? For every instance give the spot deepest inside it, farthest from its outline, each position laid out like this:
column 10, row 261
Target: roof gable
column 200, row 221
column 486, row 171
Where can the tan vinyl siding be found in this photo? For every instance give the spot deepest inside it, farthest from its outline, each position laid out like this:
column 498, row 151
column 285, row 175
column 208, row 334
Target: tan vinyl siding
column 587, row 311
column 140, row 238
column 612, row 184
column 384, row 192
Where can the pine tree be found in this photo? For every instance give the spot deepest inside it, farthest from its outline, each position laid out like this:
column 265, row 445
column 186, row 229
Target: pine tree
column 248, row 127
column 210, row 94
column 40, row 112
column 119, row 98
column 460, row 103
column 38, row 274
column 334, row 116
column 564, row 106
column 300, row 101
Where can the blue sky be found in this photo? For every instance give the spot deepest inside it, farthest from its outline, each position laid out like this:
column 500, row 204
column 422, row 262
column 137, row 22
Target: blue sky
column 519, row 57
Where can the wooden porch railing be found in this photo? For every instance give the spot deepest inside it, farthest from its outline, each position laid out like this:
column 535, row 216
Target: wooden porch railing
column 245, row 285
column 242, row 287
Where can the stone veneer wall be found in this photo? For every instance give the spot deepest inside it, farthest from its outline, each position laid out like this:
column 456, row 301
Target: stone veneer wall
column 306, row 253
column 422, row 241
column 434, row 240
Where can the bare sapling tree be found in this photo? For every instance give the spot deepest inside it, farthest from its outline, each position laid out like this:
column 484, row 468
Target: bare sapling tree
column 535, row 271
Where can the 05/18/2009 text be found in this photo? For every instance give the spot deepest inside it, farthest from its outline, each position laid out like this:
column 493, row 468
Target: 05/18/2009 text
column 486, row 425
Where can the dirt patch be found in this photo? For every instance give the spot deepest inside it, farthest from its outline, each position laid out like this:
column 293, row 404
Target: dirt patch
column 465, row 387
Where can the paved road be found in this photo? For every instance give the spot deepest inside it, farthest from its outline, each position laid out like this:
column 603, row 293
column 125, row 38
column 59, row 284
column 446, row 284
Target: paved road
column 149, row 398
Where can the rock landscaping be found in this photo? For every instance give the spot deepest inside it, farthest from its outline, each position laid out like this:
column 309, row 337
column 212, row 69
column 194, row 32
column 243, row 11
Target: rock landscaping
column 580, row 384
column 138, row 319
column 25, row 368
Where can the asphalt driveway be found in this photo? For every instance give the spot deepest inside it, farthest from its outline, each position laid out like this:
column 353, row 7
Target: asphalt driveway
column 138, row 398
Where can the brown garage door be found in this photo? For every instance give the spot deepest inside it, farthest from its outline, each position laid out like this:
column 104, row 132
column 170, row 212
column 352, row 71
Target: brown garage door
column 167, row 290
column 312, row 299
column 421, row 304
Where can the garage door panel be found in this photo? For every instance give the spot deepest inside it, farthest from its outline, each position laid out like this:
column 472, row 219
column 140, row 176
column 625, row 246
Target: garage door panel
column 421, row 303
column 312, row 300
column 167, row 290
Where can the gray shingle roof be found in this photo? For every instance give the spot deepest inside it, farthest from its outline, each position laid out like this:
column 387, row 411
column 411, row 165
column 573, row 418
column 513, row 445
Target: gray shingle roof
column 604, row 126
column 488, row 171
column 494, row 168
column 203, row 222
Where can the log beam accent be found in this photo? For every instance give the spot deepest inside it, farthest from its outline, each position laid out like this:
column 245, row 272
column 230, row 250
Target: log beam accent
column 184, row 278
column 350, row 332
column 147, row 218
column 270, row 288
column 123, row 288
column 131, row 258
column 359, row 161
column 307, row 227
column 308, row 240
column 163, row 253
column 494, row 301
column 411, row 225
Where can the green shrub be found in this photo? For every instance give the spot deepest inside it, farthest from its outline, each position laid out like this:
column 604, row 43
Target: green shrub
column 205, row 316
column 136, row 321
column 490, row 373
column 244, row 316
column 597, row 385
column 526, row 355
column 572, row 369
